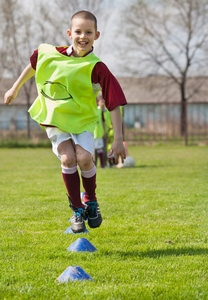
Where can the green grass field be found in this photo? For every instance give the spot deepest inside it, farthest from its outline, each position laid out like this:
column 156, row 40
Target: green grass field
column 152, row 243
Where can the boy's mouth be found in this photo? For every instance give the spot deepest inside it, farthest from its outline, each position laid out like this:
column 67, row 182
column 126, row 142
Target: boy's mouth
column 83, row 43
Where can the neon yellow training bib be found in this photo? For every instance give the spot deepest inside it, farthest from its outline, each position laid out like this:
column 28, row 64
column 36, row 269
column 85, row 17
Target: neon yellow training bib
column 99, row 129
column 65, row 92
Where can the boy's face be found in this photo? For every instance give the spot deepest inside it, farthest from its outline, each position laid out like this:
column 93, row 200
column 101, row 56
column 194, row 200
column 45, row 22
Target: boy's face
column 83, row 35
column 101, row 103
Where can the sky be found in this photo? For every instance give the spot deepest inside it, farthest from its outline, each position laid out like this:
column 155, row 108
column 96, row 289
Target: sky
column 112, row 39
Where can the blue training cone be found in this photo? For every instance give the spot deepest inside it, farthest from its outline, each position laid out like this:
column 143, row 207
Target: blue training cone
column 69, row 230
column 74, row 273
column 82, row 244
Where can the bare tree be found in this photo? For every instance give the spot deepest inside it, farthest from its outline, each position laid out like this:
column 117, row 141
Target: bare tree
column 170, row 38
column 16, row 34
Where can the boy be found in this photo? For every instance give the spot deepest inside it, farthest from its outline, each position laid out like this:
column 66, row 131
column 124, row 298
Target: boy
column 100, row 132
column 68, row 80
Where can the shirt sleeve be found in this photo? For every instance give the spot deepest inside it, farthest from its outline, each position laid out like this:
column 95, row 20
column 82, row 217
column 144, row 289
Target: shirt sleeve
column 111, row 89
column 33, row 59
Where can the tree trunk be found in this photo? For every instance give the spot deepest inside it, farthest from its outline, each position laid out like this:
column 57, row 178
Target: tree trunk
column 28, row 91
column 28, row 120
column 184, row 124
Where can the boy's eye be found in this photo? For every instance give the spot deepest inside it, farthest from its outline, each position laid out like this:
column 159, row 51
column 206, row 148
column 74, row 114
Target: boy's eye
column 79, row 32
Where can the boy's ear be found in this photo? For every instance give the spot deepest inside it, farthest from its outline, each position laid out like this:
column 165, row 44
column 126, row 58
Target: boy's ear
column 97, row 35
column 69, row 33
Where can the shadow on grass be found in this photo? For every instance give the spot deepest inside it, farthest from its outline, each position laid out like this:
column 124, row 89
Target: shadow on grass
column 142, row 167
column 161, row 252
column 151, row 166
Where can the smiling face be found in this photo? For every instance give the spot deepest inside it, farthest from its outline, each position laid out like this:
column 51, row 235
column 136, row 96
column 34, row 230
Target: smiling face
column 83, row 34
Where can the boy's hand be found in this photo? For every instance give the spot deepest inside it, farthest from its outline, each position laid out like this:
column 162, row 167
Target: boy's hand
column 118, row 150
column 9, row 96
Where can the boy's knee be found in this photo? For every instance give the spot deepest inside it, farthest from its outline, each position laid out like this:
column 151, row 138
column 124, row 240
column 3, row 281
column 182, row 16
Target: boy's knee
column 68, row 161
column 84, row 159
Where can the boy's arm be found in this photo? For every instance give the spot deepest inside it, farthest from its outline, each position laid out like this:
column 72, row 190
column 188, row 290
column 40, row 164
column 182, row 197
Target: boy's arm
column 11, row 94
column 117, row 146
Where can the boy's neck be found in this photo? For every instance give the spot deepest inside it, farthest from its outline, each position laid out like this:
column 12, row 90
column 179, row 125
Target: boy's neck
column 70, row 52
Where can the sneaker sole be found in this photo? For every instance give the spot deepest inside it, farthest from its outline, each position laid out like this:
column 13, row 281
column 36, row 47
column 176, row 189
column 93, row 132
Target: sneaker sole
column 78, row 230
column 93, row 224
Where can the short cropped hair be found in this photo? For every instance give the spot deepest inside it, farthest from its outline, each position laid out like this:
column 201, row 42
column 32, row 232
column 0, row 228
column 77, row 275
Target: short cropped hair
column 84, row 14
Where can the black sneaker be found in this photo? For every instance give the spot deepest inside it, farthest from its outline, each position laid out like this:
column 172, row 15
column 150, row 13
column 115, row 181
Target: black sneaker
column 78, row 220
column 93, row 214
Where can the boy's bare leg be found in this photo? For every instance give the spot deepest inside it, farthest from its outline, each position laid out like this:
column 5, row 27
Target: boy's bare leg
column 88, row 173
column 84, row 158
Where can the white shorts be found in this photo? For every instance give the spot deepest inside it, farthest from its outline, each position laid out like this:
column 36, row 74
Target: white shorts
column 57, row 136
column 99, row 143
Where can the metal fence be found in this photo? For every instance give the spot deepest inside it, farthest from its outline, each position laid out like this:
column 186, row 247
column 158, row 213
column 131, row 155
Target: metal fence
column 144, row 123
column 161, row 122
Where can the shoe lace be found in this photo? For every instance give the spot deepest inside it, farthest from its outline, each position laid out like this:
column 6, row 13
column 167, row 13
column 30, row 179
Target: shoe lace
column 79, row 214
column 70, row 203
column 91, row 206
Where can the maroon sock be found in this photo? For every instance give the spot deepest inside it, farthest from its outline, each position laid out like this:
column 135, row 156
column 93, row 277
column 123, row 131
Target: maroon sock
column 72, row 183
column 89, row 185
column 101, row 157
